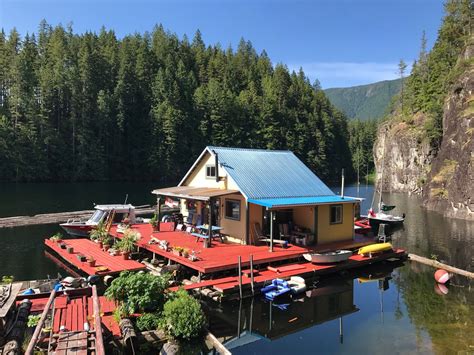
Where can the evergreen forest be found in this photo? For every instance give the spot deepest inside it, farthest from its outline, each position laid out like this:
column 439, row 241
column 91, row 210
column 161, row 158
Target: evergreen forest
column 92, row 106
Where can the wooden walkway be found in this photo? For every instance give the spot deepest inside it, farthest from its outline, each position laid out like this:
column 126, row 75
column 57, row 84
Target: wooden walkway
column 106, row 264
column 230, row 285
column 224, row 256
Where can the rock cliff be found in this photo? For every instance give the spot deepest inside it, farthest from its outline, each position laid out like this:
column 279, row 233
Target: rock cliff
column 406, row 162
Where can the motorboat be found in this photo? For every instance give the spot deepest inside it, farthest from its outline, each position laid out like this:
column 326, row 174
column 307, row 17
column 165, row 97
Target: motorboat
column 102, row 214
column 376, row 218
column 278, row 288
column 329, row 257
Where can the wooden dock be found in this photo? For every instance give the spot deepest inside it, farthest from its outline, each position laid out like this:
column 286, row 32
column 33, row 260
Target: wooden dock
column 224, row 256
column 106, row 264
column 60, row 217
column 229, row 286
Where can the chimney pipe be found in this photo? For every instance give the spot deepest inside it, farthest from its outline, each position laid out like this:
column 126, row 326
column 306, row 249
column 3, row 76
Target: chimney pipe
column 217, row 165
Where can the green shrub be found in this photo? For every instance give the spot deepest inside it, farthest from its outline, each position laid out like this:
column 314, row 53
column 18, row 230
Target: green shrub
column 148, row 321
column 33, row 320
column 183, row 317
column 138, row 292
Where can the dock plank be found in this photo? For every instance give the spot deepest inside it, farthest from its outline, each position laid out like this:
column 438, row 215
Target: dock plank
column 114, row 264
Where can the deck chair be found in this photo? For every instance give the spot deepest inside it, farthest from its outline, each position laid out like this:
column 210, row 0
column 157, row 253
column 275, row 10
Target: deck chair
column 179, row 227
column 284, row 229
column 260, row 237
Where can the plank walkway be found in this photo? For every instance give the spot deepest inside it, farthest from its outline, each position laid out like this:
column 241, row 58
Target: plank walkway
column 224, row 256
column 86, row 247
column 228, row 285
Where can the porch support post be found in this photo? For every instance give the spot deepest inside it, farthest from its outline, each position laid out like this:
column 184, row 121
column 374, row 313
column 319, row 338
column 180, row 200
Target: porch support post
column 209, row 231
column 247, row 222
column 158, row 212
column 271, row 231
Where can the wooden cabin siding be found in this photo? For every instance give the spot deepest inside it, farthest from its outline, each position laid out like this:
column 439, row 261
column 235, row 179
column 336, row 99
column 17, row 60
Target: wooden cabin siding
column 233, row 228
column 198, row 177
column 328, row 232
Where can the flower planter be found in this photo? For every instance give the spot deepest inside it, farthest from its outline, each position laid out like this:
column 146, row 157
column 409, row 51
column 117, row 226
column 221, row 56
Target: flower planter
column 62, row 245
column 106, row 247
column 125, row 255
column 101, row 245
column 91, row 263
column 70, row 249
column 176, row 252
column 81, row 257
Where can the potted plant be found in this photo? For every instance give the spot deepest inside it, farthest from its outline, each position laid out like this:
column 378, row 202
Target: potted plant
column 91, row 261
column 81, row 257
column 57, row 238
column 127, row 244
column 154, row 222
column 177, row 250
column 99, row 234
column 70, row 249
column 185, row 252
column 106, row 243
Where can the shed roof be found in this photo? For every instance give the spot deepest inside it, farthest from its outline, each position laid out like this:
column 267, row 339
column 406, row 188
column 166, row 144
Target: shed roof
column 302, row 201
column 263, row 173
column 194, row 193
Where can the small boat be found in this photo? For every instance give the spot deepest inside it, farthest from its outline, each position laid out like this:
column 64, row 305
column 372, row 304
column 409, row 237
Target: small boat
column 103, row 214
column 329, row 257
column 376, row 218
column 279, row 288
column 375, row 248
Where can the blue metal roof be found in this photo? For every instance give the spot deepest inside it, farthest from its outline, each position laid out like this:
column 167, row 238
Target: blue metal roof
column 299, row 201
column 270, row 173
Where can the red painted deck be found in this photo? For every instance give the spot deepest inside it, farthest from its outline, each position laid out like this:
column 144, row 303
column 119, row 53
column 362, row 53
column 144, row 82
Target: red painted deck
column 230, row 284
column 114, row 264
column 72, row 312
column 223, row 256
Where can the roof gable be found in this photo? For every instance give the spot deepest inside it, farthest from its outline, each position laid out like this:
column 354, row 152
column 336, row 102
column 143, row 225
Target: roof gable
column 269, row 173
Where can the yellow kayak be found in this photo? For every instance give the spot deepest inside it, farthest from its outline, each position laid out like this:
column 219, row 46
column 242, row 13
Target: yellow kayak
column 375, row 248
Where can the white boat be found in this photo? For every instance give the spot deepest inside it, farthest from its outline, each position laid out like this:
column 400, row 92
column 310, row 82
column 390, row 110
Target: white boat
column 297, row 285
column 82, row 227
column 329, row 257
column 375, row 218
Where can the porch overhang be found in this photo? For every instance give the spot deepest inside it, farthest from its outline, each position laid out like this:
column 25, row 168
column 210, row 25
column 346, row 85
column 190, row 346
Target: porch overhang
column 302, row 201
column 193, row 193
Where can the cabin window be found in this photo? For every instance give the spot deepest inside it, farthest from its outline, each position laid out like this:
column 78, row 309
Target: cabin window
column 97, row 216
column 210, row 171
column 232, row 209
column 336, row 214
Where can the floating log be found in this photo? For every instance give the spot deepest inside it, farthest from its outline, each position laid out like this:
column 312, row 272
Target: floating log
column 221, row 349
column 60, row 217
column 438, row 265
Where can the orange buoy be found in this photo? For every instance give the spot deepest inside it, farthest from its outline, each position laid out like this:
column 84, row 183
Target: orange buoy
column 442, row 276
column 441, row 289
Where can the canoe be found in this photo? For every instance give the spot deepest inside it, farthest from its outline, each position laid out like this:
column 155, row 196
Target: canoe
column 330, row 257
column 375, row 248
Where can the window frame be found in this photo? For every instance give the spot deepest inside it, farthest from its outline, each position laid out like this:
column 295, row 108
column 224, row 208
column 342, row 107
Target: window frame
column 225, row 209
column 215, row 171
column 342, row 214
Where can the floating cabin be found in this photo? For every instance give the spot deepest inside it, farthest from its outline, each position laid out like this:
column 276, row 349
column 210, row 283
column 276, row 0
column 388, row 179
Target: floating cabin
column 244, row 191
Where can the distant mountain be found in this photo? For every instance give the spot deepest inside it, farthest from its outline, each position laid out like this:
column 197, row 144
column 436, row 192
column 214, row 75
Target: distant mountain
column 364, row 101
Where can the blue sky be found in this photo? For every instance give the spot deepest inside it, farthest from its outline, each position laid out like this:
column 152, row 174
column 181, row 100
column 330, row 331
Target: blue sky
column 340, row 42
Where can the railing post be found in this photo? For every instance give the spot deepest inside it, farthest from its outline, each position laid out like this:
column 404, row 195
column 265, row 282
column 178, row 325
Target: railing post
column 251, row 273
column 240, row 276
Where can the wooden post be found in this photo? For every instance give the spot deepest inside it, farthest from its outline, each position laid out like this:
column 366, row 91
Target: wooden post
column 158, row 212
column 39, row 326
column 99, row 340
column 240, row 276
column 217, row 344
column 251, row 273
column 271, row 231
column 208, row 241
column 247, row 222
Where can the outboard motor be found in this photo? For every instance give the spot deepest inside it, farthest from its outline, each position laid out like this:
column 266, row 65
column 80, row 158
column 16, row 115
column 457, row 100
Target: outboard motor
column 93, row 280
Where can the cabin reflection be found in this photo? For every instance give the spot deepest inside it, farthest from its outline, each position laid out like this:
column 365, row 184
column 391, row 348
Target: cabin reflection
column 239, row 323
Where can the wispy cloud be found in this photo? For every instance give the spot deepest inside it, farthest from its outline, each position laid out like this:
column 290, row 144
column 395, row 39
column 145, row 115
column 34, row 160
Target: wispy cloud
column 341, row 74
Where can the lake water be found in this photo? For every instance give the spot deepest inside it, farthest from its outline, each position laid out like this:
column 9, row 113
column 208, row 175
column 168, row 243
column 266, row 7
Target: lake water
column 400, row 311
